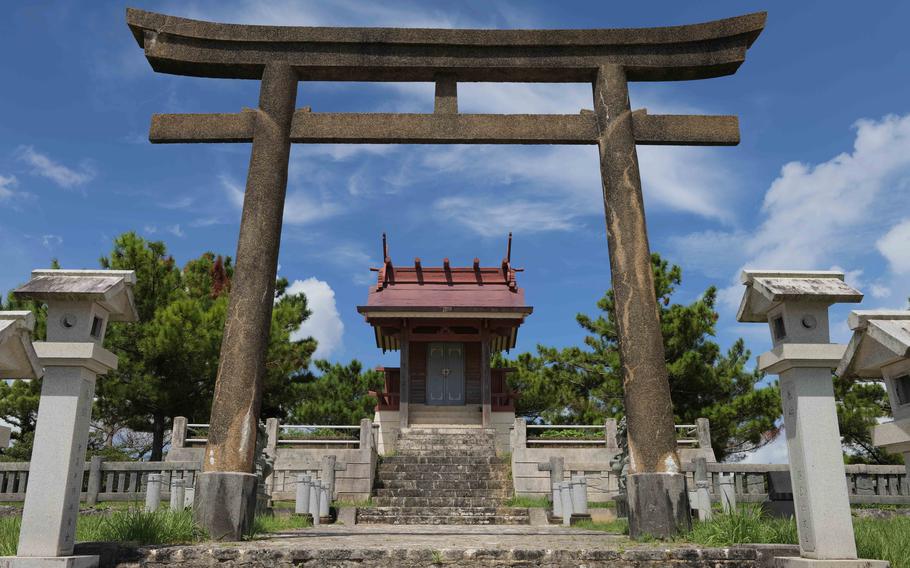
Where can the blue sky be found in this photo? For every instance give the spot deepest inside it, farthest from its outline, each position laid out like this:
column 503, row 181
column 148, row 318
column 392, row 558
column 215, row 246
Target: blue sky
column 820, row 180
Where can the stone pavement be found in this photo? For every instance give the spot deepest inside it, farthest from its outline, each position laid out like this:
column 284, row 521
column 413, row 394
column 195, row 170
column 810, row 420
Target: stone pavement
column 440, row 537
column 411, row 546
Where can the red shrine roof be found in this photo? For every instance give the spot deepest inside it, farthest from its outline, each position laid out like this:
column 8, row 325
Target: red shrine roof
column 416, row 289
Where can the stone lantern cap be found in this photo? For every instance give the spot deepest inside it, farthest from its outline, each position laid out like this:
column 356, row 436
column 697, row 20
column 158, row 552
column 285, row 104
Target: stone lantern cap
column 17, row 356
column 112, row 289
column 765, row 289
column 880, row 338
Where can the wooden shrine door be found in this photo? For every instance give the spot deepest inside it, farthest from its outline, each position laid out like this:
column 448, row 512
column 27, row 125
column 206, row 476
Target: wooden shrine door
column 445, row 373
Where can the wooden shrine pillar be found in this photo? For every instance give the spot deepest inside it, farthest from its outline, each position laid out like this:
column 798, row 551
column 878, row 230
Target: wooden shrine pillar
column 486, row 380
column 404, row 382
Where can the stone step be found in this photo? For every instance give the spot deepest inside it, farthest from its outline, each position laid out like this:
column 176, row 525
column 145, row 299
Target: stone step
column 435, row 460
column 438, row 442
column 446, row 430
column 497, row 492
column 429, row 476
column 448, row 453
column 443, row 516
column 470, row 471
column 435, row 485
column 437, row 502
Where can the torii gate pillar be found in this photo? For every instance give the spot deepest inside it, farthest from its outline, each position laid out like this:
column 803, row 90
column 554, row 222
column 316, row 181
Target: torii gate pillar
column 225, row 499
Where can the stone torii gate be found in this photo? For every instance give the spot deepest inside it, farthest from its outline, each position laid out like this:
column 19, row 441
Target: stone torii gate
column 280, row 57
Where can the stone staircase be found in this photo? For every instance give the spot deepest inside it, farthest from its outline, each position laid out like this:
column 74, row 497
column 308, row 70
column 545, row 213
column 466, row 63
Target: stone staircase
column 443, row 476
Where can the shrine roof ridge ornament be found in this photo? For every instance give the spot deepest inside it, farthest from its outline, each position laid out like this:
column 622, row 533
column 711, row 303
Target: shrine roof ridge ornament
column 184, row 46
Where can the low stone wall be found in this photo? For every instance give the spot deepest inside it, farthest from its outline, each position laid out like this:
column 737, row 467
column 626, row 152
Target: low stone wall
column 355, row 461
column 591, row 459
column 260, row 555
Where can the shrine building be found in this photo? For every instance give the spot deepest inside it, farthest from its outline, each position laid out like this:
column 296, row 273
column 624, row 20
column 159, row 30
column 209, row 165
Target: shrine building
column 446, row 322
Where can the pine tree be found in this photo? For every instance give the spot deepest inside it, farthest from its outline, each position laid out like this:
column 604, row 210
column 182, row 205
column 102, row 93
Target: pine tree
column 338, row 395
column 584, row 385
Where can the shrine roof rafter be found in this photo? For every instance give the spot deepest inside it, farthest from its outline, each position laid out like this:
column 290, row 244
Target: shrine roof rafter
column 184, row 46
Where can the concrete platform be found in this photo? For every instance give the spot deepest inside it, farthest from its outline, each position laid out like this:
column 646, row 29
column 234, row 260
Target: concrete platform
column 410, row 546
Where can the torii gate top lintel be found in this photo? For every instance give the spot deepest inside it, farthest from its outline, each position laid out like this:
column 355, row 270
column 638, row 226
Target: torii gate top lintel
column 184, row 46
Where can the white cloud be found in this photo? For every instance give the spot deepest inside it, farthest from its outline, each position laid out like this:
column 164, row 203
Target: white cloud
column 44, row 166
column 50, row 241
column 774, row 452
column 895, row 246
column 176, row 231
column 490, row 218
column 6, row 185
column 324, row 324
column 299, row 208
column 337, row 13
column 828, row 215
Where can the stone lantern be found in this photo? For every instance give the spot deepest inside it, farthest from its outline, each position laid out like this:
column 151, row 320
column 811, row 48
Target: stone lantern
column 80, row 304
column 795, row 307
column 17, row 356
column 880, row 349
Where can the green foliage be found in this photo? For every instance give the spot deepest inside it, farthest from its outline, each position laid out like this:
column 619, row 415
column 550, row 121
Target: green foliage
column 583, row 384
column 571, row 434
column 169, row 359
column 263, row 525
column 521, row 501
column 141, row 527
column 128, row 525
column 337, row 395
column 860, row 406
column 884, row 539
column 748, row 524
column 878, row 539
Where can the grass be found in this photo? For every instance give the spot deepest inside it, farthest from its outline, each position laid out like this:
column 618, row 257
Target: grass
column 619, row 526
column 265, row 524
column 602, row 504
column 131, row 525
column 877, row 539
column 884, row 539
column 521, row 501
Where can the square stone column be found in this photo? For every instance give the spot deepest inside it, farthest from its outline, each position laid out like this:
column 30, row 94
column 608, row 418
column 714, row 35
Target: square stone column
column 80, row 304
column 880, row 349
column 795, row 306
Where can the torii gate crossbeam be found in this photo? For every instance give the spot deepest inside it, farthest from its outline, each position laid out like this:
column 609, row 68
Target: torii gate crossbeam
column 280, row 57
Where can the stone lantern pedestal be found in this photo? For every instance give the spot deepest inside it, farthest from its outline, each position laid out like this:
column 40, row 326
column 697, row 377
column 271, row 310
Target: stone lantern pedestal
column 880, row 349
column 80, row 303
column 795, row 306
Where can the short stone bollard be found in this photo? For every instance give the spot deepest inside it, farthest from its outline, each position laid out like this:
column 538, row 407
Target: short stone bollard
column 153, row 492
column 565, row 497
column 579, row 495
column 315, row 495
column 727, row 492
column 302, row 501
column 178, row 494
column 557, row 501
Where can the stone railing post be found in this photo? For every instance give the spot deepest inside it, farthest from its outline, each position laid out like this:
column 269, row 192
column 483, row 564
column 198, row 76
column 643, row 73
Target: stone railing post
column 327, row 473
column 727, row 492
column 610, row 434
column 178, row 494
column 94, row 481
column 519, row 436
column 703, row 500
column 366, row 436
column 703, row 432
column 178, row 432
column 271, row 429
